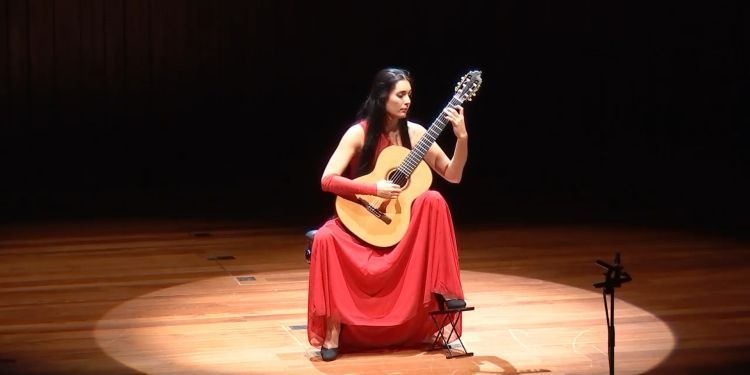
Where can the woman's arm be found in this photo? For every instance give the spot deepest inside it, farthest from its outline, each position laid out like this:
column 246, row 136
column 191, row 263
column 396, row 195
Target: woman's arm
column 332, row 180
column 348, row 146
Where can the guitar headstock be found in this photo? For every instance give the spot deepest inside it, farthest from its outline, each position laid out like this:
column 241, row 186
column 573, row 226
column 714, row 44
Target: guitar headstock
column 467, row 87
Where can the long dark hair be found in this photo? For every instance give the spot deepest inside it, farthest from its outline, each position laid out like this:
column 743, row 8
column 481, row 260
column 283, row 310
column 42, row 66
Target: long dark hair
column 373, row 111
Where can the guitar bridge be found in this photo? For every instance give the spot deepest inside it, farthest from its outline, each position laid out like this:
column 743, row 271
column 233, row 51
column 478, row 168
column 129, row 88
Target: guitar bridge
column 377, row 213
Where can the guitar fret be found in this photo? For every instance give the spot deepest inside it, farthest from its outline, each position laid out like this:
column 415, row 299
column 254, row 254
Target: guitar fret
column 415, row 156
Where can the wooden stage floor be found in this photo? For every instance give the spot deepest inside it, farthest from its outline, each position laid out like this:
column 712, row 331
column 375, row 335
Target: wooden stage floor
column 210, row 297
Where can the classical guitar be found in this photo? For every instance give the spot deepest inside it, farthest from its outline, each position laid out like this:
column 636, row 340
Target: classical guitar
column 383, row 222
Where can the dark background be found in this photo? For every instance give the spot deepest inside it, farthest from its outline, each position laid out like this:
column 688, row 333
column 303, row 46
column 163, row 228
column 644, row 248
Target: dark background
column 590, row 111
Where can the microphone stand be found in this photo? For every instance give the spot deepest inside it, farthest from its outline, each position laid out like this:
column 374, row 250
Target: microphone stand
column 613, row 278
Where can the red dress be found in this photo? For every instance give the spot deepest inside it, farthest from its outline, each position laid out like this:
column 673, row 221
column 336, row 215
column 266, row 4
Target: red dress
column 383, row 296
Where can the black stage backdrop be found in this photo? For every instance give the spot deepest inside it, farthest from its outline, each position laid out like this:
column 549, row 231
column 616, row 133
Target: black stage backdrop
column 597, row 111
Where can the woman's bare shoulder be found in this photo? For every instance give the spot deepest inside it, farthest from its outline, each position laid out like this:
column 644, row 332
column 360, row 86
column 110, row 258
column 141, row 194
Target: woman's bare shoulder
column 355, row 135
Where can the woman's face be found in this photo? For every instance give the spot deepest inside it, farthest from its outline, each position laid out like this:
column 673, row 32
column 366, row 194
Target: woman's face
column 399, row 100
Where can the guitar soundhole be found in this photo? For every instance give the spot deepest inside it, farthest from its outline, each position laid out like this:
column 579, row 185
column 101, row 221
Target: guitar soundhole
column 398, row 177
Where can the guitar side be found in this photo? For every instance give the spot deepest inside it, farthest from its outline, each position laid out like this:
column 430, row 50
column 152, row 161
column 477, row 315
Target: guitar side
column 384, row 232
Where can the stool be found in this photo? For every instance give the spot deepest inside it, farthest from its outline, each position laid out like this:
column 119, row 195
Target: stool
column 310, row 235
column 451, row 316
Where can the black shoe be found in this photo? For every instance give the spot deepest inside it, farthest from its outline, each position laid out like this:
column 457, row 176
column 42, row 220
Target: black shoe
column 329, row 354
column 455, row 304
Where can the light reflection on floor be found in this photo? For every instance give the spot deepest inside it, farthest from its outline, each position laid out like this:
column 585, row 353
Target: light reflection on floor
column 520, row 325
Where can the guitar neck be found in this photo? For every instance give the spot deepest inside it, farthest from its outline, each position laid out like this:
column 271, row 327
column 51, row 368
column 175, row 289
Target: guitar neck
column 420, row 149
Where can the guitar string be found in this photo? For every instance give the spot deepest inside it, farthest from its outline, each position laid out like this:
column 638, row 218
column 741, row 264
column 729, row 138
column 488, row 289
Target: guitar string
column 401, row 176
column 422, row 146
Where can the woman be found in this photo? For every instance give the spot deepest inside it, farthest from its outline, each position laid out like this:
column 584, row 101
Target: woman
column 361, row 296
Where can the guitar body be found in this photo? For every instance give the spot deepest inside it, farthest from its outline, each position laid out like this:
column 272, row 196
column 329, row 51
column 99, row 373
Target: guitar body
column 388, row 231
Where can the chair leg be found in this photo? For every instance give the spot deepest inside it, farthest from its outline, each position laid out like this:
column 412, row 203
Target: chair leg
column 450, row 354
column 449, row 318
column 440, row 342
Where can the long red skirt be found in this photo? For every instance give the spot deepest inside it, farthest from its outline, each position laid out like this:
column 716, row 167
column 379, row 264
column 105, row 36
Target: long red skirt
column 383, row 296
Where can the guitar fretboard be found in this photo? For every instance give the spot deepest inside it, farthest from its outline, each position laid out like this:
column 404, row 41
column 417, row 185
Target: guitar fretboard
column 410, row 163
